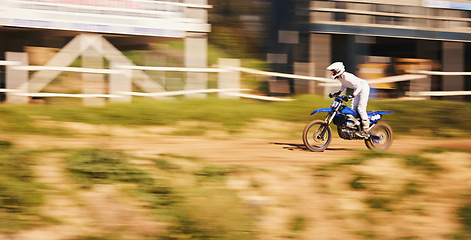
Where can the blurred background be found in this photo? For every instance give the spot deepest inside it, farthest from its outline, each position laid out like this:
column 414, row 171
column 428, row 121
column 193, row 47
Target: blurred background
column 374, row 39
column 112, row 126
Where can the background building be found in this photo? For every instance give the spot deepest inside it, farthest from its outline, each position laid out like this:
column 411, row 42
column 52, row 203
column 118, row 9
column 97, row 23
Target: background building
column 374, row 39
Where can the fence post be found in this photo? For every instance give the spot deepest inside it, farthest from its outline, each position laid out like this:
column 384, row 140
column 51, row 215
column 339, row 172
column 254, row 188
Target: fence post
column 15, row 78
column 453, row 55
column 229, row 79
column 93, row 83
column 120, row 82
column 420, row 86
column 196, row 48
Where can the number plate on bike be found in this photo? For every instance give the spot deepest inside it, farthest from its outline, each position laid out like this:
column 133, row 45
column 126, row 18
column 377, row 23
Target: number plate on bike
column 335, row 104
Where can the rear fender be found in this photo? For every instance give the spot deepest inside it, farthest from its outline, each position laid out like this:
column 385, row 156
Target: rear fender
column 384, row 112
column 321, row 110
column 375, row 116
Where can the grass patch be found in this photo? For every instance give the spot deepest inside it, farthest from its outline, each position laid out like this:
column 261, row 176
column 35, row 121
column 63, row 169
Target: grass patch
column 233, row 114
column 177, row 156
column 4, row 145
column 93, row 238
column 419, row 162
column 212, row 173
column 205, row 211
column 442, row 150
column 95, row 166
column 412, row 188
column 165, row 164
column 422, row 163
column 190, row 131
column 464, row 216
column 326, row 169
column 377, row 197
column 20, row 195
column 366, row 234
column 296, row 225
column 427, row 114
column 358, row 182
column 379, row 203
column 19, row 119
column 381, row 200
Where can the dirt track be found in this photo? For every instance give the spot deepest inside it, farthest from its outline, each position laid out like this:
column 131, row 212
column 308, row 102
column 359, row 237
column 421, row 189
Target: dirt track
column 237, row 150
column 264, row 153
column 288, row 188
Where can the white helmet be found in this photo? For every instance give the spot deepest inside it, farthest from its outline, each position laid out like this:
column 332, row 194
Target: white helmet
column 337, row 69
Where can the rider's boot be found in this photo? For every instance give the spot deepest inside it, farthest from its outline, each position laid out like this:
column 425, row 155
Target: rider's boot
column 366, row 127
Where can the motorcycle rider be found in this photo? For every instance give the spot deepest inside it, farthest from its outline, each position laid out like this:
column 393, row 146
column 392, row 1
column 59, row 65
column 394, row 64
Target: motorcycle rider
column 360, row 94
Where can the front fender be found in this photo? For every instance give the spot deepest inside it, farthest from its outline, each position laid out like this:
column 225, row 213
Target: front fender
column 321, row 110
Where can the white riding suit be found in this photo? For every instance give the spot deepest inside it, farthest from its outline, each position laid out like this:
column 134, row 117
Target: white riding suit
column 361, row 94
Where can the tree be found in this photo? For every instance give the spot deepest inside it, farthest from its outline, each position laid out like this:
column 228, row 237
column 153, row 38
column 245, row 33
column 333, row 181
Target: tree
column 239, row 26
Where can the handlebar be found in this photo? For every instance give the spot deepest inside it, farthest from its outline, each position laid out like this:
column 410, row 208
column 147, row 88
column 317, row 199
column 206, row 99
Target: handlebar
column 341, row 98
column 333, row 95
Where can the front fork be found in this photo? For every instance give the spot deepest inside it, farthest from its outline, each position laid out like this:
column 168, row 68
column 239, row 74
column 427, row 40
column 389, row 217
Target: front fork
column 328, row 120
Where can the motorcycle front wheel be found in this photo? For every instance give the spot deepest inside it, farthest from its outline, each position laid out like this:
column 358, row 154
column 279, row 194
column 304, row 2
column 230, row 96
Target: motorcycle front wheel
column 381, row 137
column 317, row 135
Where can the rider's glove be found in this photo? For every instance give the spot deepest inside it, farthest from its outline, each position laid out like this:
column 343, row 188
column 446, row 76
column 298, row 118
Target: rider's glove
column 334, row 95
column 347, row 98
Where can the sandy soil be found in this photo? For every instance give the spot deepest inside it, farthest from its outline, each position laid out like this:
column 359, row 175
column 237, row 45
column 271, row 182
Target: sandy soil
column 288, row 186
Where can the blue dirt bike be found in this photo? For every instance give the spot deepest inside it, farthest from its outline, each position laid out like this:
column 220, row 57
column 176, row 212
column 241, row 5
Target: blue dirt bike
column 317, row 135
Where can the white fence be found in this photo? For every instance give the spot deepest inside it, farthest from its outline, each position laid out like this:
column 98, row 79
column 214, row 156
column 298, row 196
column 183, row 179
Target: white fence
column 125, row 71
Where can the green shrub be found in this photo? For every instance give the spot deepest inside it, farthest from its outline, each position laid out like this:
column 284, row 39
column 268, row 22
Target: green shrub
column 423, row 163
column 464, row 214
column 96, row 166
column 92, row 166
column 358, row 182
column 20, row 195
column 198, row 213
column 412, row 188
column 165, row 164
column 379, row 203
column 211, row 214
column 212, row 172
column 5, row 144
column 443, row 150
column 297, row 224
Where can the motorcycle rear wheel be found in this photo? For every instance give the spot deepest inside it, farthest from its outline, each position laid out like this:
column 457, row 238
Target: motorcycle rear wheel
column 381, row 137
column 317, row 136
